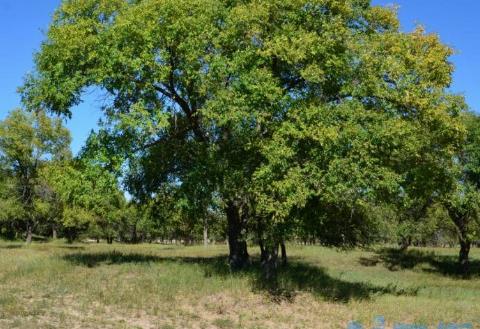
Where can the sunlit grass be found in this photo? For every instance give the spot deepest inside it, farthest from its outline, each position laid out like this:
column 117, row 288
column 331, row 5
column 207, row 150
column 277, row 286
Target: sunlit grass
column 55, row 285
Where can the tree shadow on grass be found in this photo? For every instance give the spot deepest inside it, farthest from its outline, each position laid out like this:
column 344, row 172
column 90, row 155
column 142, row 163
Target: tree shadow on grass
column 71, row 247
column 396, row 259
column 301, row 276
column 295, row 277
column 11, row 246
column 40, row 247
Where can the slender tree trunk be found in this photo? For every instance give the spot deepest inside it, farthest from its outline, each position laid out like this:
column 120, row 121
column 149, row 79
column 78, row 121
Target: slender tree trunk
column 134, row 234
column 238, row 257
column 29, row 233
column 205, row 232
column 284, row 253
column 405, row 243
column 463, row 260
column 54, row 233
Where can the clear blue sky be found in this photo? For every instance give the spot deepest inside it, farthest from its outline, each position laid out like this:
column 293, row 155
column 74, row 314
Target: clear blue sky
column 22, row 23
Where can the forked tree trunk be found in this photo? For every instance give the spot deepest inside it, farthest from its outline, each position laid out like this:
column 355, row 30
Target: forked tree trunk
column 461, row 221
column 270, row 259
column 270, row 263
column 463, row 259
column 238, row 257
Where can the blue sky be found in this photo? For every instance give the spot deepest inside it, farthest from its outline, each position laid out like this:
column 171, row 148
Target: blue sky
column 23, row 22
column 22, row 27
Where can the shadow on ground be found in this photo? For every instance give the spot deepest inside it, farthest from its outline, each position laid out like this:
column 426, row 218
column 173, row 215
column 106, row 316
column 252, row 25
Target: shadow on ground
column 40, row 246
column 396, row 259
column 71, row 247
column 11, row 246
column 294, row 277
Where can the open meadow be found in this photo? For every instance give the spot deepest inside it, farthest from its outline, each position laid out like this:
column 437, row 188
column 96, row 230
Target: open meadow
column 56, row 285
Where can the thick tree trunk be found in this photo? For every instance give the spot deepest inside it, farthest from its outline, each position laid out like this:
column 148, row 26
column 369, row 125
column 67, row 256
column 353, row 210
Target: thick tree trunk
column 463, row 260
column 29, row 233
column 284, row 253
column 263, row 252
column 238, row 257
column 461, row 220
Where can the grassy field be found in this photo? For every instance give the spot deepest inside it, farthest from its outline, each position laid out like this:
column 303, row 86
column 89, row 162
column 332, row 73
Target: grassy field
column 56, row 285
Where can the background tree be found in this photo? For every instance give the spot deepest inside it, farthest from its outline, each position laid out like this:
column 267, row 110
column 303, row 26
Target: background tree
column 89, row 197
column 11, row 212
column 27, row 142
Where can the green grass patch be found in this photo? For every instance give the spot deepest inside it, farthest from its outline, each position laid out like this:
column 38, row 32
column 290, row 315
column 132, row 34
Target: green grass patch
column 53, row 285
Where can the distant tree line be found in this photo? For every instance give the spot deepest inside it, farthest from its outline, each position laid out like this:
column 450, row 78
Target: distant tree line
column 48, row 194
